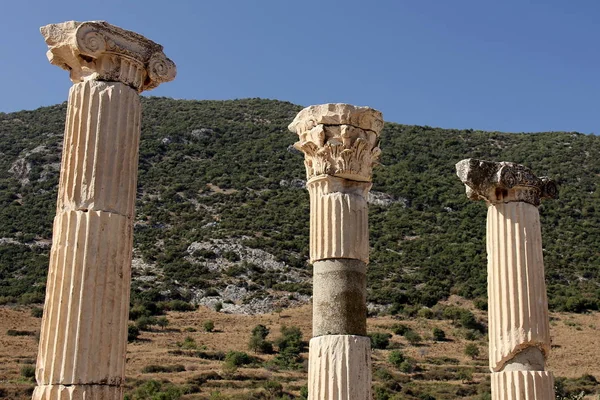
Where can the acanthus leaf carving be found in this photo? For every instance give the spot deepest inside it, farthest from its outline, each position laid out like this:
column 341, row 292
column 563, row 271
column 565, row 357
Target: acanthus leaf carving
column 344, row 150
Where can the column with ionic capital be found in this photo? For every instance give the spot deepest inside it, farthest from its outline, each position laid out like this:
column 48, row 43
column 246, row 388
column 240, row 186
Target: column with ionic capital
column 519, row 335
column 84, row 329
column 340, row 143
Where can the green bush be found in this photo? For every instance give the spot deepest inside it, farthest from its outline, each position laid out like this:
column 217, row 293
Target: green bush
column 439, row 335
column 258, row 342
column 153, row 368
column 396, row 358
column 208, row 326
column 380, row 340
column 413, row 337
column 133, row 332
column 37, row 312
column 154, row 390
column 14, row 332
column 290, row 345
column 163, row 322
column 144, row 323
column 188, row 343
column 237, row 358
column 28, row 371
column 407, row 366
column 400, row 329
column 472, row 350
column 273, row 388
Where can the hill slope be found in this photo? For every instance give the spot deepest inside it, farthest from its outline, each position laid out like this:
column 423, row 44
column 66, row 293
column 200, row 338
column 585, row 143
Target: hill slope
column 222, row 215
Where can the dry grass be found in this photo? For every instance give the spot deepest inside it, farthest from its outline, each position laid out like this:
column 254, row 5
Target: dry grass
column 576, row 348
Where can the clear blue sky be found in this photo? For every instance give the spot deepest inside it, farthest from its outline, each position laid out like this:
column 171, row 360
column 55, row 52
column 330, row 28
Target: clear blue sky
column 511, row 65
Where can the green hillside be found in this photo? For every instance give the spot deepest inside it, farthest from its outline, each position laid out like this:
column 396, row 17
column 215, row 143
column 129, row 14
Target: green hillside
column 219, row 179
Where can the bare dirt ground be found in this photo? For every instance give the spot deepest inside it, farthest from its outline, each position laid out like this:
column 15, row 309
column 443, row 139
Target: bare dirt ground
column 575, row 350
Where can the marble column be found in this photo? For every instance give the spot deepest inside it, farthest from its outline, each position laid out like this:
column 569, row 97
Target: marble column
column 340, row 143
column 84, row 329
column 519, row 335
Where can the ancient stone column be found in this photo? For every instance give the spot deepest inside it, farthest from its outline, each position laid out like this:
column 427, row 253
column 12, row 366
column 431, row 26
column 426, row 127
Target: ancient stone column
column 340, row 143
column 519, row 335
column 84, row 329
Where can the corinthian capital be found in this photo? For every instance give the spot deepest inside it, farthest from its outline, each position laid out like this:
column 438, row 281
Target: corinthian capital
column 503, row 182
column 96, row 50
column 339, row 140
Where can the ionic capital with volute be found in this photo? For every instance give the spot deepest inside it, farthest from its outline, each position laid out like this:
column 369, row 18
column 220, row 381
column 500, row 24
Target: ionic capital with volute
column 96, row 50
column 503, row 182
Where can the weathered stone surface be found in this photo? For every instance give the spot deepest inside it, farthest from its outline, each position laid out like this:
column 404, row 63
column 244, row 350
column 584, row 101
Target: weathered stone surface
column 96, row 50
column 503, row 182
column 84, row 329
column 78, row 392
column 337, row 114
column 339, row 368
column 518, row 307
column 339, row 297
column 339, row 219
column 343, row 145
column 100, row 158
column 522, row 385
column 519, row 334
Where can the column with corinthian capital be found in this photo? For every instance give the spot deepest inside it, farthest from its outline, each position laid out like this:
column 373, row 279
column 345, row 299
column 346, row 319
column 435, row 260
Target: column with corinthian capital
column 519, row 335
column 84, row 329
column 340, row 143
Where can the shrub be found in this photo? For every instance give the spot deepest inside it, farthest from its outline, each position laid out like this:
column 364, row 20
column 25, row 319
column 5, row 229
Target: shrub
column 290, row 346
column 32, row 298
column 209, row 326
column 396, row 358
column 218, row 306
column 413, row 337
column 465, row 374
column 188, row 343
column 155, row 390
column 149, row 369
column 133, row 332
column 163, row 322
column 231, row 256
column 407, row 366
column 28, row 371
column 258, row 342
column 380, row 340
column 14, row 332
column 400, row 329
column 178, row 305
column 237, row 358
column 144, row 323
column 273, row 388
column 472, row 334
column 481, row 303
column 439, row 335
column 425, row 312
column 37, row 312
column 472, row 350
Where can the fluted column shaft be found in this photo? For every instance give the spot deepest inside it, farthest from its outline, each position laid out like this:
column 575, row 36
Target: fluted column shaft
column 84, row 330
column 519, row 334
column 83, row 337
column 339, row 248
column 340, row 143
column 519, row 331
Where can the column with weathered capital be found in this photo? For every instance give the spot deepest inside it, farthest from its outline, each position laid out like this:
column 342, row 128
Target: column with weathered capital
column 340, row 143
column 519, row 335
column 84, row 329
